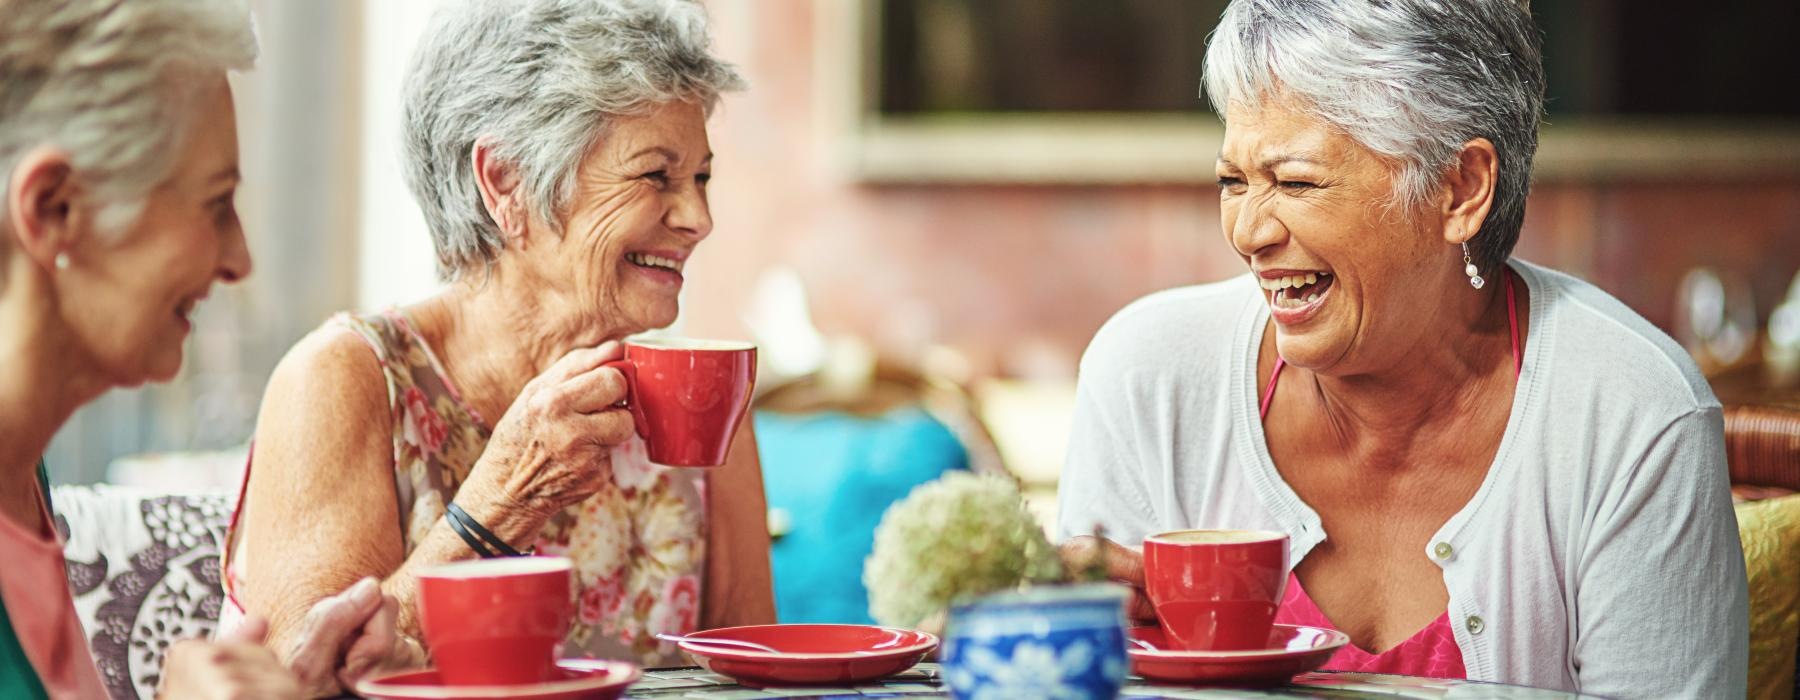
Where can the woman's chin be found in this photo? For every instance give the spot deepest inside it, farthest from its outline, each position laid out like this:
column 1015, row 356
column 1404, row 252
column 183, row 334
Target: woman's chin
column 1314, row 350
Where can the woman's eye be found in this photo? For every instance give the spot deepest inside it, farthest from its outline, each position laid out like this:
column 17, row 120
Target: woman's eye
column 221, row 206
column 657, row 177
column 1297, row 185
column 1230, row 183
column 703, row 178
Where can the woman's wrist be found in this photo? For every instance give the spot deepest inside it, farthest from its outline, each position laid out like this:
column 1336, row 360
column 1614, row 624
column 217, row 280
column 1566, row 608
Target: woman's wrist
column 514, row 520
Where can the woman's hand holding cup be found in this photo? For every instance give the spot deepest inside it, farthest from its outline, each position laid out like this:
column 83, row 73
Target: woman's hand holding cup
column 553, row 446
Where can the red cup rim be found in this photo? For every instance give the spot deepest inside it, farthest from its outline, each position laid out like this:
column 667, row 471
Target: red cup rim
column 691, row 344
column 1250, row 537
column 498, row 567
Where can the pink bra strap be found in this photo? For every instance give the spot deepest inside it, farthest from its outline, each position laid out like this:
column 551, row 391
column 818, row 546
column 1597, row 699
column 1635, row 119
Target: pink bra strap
column 1512, row 325
column 1270, row 394
column 1512, row 322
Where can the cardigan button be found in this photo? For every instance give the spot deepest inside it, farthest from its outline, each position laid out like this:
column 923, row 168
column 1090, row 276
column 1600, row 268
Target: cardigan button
column 1476, row 625
column 1443, row 551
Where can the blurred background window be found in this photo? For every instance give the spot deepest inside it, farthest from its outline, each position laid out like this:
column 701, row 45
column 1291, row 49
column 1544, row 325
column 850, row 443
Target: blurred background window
column 1603, row 57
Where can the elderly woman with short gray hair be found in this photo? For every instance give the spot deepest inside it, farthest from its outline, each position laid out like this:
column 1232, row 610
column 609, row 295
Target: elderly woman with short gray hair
column 1487, row 469
column 559, row 151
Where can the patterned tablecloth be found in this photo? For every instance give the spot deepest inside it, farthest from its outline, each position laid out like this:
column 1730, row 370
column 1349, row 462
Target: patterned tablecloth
column 922, row 682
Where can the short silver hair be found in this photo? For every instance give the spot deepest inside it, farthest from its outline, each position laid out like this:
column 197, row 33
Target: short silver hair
column 110, row 81
column 1412, row 80
column 543, row 79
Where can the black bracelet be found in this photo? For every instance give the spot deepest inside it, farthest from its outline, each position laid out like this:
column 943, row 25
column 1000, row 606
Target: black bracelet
column 468, row 537
column 479, row 538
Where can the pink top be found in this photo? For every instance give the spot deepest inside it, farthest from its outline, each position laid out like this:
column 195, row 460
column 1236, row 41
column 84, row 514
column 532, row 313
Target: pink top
column 35, row 588
column 1430, row 652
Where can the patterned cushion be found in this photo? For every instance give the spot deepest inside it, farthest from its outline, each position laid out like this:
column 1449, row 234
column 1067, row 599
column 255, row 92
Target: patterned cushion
column 144, row 568
column 1770, row 531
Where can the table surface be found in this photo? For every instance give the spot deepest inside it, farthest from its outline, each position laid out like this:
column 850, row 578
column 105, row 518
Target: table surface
column 922, row 682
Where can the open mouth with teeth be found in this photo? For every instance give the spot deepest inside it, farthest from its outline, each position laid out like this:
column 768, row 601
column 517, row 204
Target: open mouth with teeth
column 655, row 262
column 1296, row 291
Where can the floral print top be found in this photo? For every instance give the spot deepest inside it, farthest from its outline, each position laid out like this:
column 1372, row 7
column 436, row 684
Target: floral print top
column 639, row 545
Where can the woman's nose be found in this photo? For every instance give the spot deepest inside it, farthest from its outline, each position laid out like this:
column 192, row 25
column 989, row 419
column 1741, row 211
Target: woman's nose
column 1252, row 226
column 234, row 256
column 690, row 213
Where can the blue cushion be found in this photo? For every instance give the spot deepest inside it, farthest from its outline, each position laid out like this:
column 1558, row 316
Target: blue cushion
column 833, row 475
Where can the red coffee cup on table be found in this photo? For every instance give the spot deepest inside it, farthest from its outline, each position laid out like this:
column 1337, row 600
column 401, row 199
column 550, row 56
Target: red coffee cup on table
column 496, row 621
column 688, row 396
column 1216, row 590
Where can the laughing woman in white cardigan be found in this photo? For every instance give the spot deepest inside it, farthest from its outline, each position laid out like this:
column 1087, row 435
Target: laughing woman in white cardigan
column 1488, row 469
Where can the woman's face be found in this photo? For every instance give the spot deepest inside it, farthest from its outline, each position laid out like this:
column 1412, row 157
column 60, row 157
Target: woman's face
column 128, row 295
column 1306, row 205
column 638, row 211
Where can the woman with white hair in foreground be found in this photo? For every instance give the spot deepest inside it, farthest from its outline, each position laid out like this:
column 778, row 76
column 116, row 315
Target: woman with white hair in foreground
column 559, row 151
column 1486, row 469
column 118, row 145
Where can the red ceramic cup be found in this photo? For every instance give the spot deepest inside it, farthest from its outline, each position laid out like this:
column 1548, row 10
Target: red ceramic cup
column 496, row 621
column 688, row 396
column 1216, row 590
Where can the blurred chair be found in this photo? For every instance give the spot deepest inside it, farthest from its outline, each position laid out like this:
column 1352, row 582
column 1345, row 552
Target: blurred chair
column 835, row 455
column 144, row 569
column 1762, row 447
column 1762, row 451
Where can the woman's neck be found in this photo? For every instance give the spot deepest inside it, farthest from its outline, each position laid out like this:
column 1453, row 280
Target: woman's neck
column 494, row 334
column 43, row 379
column 1459, row 364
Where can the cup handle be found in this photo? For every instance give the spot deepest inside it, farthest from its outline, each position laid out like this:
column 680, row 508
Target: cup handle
column 637, row 411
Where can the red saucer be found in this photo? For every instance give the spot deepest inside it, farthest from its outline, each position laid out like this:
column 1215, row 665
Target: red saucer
column 811, row 654
column 1293, row 650
column 581, row 679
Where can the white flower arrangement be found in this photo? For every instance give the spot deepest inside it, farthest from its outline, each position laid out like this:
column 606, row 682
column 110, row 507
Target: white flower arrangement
column 961, row 536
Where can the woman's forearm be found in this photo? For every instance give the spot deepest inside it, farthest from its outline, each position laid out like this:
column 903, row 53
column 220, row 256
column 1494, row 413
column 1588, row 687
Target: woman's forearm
column 513, row 523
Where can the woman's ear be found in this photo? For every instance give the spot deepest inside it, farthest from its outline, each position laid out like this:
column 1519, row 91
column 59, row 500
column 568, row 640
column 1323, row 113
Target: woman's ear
column 40, row 204
column 499, row 180
column 1468, row 192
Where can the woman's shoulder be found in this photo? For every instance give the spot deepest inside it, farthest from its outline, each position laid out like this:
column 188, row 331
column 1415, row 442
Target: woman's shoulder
column 337, row 361
column 1174, row 325
column 1599, row 343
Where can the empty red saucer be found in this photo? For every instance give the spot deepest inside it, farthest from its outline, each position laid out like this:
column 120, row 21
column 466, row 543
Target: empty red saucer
column 811, row 654
column 1292, row 650
column 580, row 679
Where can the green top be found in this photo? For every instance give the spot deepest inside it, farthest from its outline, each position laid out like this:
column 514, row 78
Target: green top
column 17, row 678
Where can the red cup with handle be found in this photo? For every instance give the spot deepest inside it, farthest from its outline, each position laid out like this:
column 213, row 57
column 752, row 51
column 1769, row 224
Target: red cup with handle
column 1216, row 590
column 496, row 621
column 687, row 396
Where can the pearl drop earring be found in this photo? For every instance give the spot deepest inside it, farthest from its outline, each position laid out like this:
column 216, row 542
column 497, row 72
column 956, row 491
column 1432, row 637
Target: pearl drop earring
column 1469, row 269
column 62, row 260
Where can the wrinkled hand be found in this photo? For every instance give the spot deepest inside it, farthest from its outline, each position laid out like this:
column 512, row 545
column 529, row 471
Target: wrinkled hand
column 553, row 447
column 344, row 637
column 235, row 667
column 1122, row 564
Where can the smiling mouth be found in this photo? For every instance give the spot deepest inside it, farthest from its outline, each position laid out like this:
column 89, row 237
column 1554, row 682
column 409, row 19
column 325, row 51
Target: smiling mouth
column 1296, row 291
column 655, row 262
column 185, row 310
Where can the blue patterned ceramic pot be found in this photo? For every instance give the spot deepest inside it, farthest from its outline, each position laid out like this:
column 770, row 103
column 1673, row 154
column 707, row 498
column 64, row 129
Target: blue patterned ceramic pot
column 1046, row 643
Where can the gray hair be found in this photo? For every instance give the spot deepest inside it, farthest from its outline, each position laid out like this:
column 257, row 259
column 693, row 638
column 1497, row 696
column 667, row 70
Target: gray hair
column 1409, row 79
column 109, row 81
column 543, row 79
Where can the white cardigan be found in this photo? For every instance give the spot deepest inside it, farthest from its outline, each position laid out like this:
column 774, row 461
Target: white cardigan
column 1600, row 554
